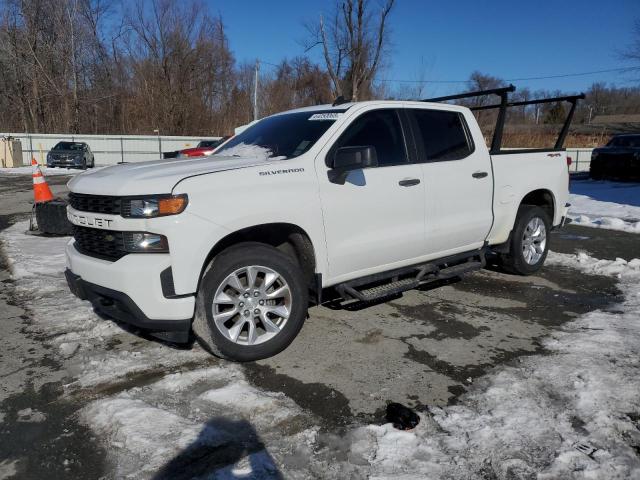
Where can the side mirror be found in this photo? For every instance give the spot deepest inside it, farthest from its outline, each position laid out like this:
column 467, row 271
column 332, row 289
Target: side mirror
column 346, row 159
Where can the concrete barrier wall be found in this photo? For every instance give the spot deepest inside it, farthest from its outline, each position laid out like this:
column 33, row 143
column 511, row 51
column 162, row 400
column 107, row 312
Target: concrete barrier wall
column 107, row 149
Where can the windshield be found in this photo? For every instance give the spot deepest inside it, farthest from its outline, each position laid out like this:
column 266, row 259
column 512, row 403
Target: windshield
column 281, row 136
column 68, row 146
column 625, row 141
column 209, row 143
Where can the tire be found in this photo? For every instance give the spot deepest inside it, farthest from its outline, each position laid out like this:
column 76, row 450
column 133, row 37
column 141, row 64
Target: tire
column 216, row 333
column 516, row 260
column 84, row 164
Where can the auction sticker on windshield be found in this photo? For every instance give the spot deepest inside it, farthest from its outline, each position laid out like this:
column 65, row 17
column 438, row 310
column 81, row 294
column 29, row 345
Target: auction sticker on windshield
column 325, row 116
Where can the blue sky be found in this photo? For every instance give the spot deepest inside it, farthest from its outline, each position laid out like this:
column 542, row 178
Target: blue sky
column 448, row 40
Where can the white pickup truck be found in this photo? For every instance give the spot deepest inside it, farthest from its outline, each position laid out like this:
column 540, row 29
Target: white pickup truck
column 355, row 201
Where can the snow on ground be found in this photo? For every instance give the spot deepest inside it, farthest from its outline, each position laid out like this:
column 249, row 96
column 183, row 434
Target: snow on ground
column 153, row 402
column 31, row 415
column 573, row 413
column 605, row 204
column 527, row 420
column 45, row 170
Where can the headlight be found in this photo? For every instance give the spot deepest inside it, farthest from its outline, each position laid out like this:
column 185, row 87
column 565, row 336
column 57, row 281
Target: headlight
column 158, row 206
column 141, row 242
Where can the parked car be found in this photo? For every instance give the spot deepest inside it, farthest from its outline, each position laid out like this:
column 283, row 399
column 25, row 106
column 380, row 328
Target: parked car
column 203, row 149
column 357, row 201
column 71, row 155
column 618, row 159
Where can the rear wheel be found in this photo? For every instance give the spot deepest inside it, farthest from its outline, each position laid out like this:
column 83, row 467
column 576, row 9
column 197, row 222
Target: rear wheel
column 529, row 242
column 251, row 304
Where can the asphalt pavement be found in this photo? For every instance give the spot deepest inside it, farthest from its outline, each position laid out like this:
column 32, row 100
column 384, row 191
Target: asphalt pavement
column 424, row 348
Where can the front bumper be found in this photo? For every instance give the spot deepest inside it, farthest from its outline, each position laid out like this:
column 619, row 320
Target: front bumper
column 65, row 163
column 129, row 290
column 120, row 307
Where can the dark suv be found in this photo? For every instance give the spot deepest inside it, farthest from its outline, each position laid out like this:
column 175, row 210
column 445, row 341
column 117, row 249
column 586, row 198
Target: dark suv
column 71, row 155
column 620, row 158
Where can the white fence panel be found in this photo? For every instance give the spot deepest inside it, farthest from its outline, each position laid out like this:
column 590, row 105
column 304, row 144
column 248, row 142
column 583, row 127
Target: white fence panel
column 111, row 149
column 580, row 159
column 107, row 149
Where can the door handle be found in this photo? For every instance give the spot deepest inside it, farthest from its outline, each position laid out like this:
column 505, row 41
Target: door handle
column 409, row 182
column 479, row 174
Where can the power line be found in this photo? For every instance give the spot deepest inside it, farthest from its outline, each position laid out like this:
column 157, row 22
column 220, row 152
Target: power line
column 564, row 75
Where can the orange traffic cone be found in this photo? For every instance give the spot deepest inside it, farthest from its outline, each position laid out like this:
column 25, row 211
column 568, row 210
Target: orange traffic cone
column 41, row 191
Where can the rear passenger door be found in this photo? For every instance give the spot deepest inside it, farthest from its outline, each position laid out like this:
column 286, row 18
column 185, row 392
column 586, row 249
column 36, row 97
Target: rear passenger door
column 458, row 181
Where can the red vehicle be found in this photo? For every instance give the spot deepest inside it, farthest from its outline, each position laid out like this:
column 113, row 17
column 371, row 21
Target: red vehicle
column 204, row 148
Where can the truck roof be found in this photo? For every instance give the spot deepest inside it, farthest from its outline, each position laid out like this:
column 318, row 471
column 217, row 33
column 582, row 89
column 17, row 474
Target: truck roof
column 399, row 103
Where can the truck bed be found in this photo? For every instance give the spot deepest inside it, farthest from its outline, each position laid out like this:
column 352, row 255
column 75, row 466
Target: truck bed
column 519, row 173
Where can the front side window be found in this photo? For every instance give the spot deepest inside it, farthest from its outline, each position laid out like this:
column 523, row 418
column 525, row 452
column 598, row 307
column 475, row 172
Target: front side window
column 281, row 136
column 380, row 129
column 209, row 143
column 442, row 135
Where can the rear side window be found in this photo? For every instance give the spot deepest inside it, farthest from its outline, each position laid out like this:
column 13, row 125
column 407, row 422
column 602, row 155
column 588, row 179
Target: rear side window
column 380, row 129
column 443, row 135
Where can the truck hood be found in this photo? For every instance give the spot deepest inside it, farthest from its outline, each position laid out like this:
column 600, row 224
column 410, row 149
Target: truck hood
column 158, row 176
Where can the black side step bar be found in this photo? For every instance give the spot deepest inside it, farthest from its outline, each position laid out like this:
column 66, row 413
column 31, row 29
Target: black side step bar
column 374, row 287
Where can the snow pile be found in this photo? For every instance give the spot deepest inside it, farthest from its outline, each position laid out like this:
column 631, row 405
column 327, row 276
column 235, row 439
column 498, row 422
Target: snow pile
column 541, row 418
column 212, row 410
column 603, row 204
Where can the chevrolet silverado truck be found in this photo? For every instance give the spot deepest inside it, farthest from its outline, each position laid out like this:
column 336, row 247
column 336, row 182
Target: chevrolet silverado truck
column 350, row 201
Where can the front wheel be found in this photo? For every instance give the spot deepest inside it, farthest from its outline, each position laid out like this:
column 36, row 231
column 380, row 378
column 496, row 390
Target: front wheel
column 529, row 242
column 251, row 304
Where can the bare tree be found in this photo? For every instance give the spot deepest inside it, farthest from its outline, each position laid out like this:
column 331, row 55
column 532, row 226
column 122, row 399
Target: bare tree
column 632, row 52
column 353, row 45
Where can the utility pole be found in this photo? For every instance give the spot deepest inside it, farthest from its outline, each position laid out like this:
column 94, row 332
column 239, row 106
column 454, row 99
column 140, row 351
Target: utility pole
column 255, row 92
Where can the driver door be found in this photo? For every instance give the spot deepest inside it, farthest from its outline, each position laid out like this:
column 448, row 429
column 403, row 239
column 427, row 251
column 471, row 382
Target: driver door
column 375, row 221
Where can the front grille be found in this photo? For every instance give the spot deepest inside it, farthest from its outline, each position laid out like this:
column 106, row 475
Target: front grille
column 96, row 203
column 104, row 244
